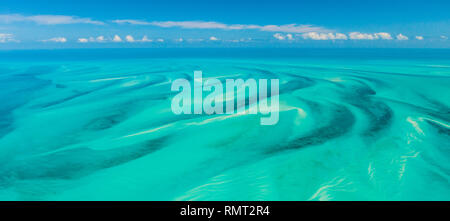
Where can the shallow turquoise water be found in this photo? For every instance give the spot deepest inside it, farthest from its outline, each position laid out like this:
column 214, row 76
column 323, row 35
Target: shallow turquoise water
column 97, row 125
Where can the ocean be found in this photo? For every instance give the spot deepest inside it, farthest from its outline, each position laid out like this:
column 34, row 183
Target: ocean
column 97, row 124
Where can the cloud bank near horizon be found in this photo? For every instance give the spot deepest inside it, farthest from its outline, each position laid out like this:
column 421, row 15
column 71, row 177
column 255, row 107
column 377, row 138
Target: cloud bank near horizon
column 116, row 31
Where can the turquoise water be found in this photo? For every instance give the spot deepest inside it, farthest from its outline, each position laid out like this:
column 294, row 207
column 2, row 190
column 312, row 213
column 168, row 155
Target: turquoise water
column 360, row 124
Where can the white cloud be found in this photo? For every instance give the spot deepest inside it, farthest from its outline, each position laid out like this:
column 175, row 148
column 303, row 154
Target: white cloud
column 444, row 37
column 179, row 40
column 362, row 36
column 129, row 38
column 212, row 38
column 384, row 35
column 83, row 40
column 324, row 36
column 57, row 39
column 289, row 37
column 131, row 21
column 4, row 38
column 145, row 39
column 370, row 36
column 315, row 36
column 195, row 40
column 341, row 36
column 47, row 19
column 181, row 24
column 160, row 40
column 402, row 37
column 100, row 39
column 117, row 38
column 239, row 40
column 195, row 25
column 419, row 38
column 279, row 36
column 292, row 28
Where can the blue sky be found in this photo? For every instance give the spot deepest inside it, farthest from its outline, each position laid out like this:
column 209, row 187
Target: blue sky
column 28, row 24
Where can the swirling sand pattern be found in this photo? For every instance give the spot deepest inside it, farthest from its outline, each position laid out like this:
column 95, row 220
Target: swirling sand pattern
column 359, row 130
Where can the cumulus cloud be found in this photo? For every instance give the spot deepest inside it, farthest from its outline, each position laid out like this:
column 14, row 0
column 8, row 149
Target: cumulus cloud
column 212, row 38
column 57, row 39
column 145, row 39
column 179, row 40
column 324, row 36
column 279, row 36
column 160, row 40
column 292, row 28
column 4, row 38
column 370, row 36
column 289, row 37
column 83, row 40
column 444, row 37
column 129, row 38
column 47, row 19
column 384, row 35
column 362, row 36
column 117, row 38
column 341, row 36
column 402, row 37
column 315, row 36
column 419, row 38
column 100, row 39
